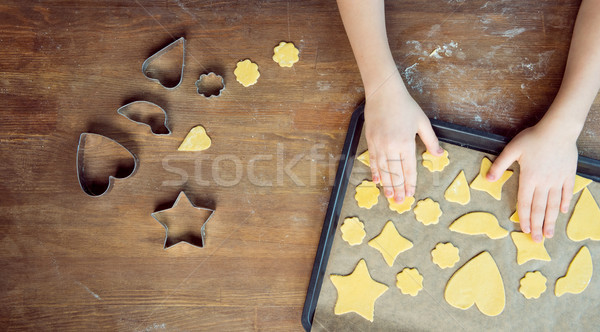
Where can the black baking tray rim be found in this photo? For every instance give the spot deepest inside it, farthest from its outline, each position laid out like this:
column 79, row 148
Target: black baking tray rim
column 446, row 132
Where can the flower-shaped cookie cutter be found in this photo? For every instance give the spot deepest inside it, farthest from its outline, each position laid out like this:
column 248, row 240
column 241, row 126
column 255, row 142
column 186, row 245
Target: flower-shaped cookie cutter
column 98, row 142
column 140, row 112
column 210, row 85
column 159, row 54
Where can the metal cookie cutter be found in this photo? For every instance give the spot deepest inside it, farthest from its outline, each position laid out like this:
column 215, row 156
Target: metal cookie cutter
column 145, row 112
column 174, row 220
column 210, row 85
column 104, row 151
column 156, row 57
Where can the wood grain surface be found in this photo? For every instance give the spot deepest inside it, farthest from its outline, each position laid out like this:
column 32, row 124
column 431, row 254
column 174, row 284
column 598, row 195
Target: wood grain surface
column 73, row 262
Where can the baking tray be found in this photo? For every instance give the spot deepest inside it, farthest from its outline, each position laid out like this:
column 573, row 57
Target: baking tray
column 446, row 132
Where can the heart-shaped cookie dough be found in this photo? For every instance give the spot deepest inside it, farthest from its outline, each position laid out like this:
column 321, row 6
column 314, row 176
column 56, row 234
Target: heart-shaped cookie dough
column 477, row 282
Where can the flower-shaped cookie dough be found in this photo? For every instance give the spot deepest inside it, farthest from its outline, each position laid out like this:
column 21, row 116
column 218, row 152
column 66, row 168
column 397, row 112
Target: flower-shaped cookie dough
column 401, row 207
column 353, row 231
column 246, row 72
column 445, row 255
column 428, row 211
column 435, row 164
column 409, row 281
column 533, row 285
column 367, row 194
column 285, row 54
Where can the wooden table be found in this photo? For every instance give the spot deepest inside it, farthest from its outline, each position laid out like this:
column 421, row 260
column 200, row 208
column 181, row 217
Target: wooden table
column 71, row 261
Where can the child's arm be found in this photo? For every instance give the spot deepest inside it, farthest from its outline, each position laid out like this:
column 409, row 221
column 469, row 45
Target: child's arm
column 392, row 117
column 547, row 152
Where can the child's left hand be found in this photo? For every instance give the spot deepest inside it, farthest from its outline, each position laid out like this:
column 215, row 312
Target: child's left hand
column 547, row 155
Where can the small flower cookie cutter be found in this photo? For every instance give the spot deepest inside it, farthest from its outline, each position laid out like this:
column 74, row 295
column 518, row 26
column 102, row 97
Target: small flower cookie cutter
column 80, row 163
column 157, row 55
column 191, row 239
column 145, row 119
column 209, row 91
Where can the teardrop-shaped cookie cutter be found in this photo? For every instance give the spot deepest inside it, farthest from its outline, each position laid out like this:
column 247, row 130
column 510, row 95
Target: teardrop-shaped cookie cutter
column 123, row 111
column 162, row 52
column 81, row 167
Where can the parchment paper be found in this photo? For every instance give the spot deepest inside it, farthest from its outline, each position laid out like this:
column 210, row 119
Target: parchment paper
column 428, row 310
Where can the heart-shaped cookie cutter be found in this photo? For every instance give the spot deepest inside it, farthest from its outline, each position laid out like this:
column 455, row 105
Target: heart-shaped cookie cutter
column 162, row 52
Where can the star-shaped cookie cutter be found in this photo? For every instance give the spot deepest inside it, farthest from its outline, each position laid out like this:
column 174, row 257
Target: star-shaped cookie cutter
column 166, row 216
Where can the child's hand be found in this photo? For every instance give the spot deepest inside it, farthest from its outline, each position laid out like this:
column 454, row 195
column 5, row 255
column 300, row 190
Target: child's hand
column 547, row 155
column 392, row 119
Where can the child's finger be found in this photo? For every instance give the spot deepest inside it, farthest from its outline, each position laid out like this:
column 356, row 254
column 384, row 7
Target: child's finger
column 567, row 194
column 409, row 166
column 538, row 212
column 429, row 138
column 524, row 199
column 504, row 160
column 552, row 209
column 374, row 169
column 384, row 176
column 397, row 177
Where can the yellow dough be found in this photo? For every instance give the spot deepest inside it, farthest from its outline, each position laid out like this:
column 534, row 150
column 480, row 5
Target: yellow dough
column 578, row 275
column 580, row 183
column 390, row 243
column 364, row 158
column 402, row 207
column 353, row 231
column 196, row 140
column 445, row 255
column 357, row 292
column 367, row 194
column 492, row 188
column 246, row 72
column 527, row 249
column 409, row 281
column 435, row 164
column 533, row 284
column 428, row 211
column 515, row 217
column 458, row 191
column 285, row 54
column 585, row 220
column 477, row 282
column 475, row 223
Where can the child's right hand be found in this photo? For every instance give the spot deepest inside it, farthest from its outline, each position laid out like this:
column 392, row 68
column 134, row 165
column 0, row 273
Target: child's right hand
column 392, row 120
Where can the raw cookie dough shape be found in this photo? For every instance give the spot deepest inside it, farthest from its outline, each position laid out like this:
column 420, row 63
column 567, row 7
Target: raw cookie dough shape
column 477, row 282
column 196, row 140
column 533, row 284
column 148, row 114
column 527, row 249
column 353, row 231
column 458, row 191
column 390, row 243
column 585, row 220
column 367, row 194
column 401, row 207
column 435, row 164
column 475, row 223
column 246, row 72
column 428, row 211
column 210, row 85
column 101, row 160
column 364, row 158
column 178, row 219
column 578, row 275
column 580, row 183
column 357, row 292
column 154, row 67
column 409, row 281
column 515, row 217
column 285, row 54
column 445, row 255
column 492, row 188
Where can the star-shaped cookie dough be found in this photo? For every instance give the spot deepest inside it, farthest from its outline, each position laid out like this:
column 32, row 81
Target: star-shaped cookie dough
column 492, row 188
column 181, row 222
column 390, row 243
column 357, row 292
column 527, row 249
